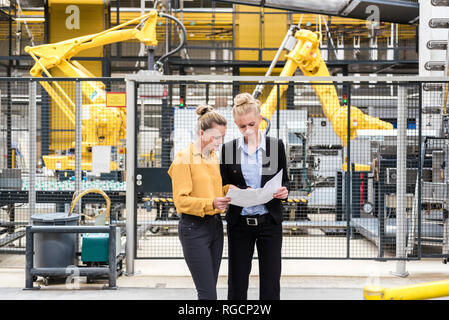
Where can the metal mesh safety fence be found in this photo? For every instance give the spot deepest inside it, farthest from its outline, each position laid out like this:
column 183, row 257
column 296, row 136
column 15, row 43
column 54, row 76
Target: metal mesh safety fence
column 334, row 210
column 76, row 138
column 344, row 169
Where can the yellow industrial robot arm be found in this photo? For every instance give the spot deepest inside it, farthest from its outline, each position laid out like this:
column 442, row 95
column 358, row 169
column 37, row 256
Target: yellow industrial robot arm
column 102, row 126
column 54, row 55
column 306, row 56
column 49, row 57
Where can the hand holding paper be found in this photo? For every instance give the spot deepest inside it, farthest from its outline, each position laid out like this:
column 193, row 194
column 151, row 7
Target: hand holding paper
column 282, row 193
column 253, row 197
column 220, row 203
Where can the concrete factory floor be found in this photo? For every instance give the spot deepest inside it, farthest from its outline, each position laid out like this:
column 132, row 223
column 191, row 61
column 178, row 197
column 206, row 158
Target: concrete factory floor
column 170, row 280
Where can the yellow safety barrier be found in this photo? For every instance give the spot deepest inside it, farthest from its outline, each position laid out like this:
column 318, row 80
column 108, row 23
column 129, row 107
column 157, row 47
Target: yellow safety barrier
column 428, row 290
column 289, row 200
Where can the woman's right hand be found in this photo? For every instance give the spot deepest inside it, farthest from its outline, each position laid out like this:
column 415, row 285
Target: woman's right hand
column 221, row 203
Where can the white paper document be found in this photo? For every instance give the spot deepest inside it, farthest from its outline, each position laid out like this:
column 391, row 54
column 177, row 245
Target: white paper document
column 254, row 197
column 101, row 159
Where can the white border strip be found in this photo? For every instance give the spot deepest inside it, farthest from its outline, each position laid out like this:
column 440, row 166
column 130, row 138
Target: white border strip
column 209, row 78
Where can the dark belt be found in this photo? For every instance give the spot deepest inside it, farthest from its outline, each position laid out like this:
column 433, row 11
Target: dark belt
column 255, row 220
column 204, row 219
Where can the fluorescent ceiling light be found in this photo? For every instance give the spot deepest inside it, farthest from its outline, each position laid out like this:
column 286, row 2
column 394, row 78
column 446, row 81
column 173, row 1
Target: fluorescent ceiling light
column 29, row 19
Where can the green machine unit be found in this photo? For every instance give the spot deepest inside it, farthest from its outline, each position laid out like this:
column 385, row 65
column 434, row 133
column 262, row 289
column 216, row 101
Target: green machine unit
column 95, row 246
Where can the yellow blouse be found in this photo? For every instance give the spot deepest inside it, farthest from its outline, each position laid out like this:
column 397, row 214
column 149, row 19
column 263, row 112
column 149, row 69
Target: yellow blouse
column 196, row 181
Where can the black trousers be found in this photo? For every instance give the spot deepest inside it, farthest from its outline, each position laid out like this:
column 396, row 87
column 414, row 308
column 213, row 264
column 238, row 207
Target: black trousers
column 242, row 238
column 202, row 245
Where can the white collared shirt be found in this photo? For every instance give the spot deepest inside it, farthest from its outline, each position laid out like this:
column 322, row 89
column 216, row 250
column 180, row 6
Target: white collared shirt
column 251, row 165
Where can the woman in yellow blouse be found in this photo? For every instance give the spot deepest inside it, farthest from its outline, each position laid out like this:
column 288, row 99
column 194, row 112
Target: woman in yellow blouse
column 199, row 198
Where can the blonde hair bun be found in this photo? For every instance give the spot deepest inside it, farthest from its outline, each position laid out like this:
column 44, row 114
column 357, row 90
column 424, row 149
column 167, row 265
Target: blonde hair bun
column 244, row 103
column 242, row 99
column 208, row 117
column 202, row 110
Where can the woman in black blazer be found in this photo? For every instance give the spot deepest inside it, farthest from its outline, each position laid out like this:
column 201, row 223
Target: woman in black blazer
column 249, row 162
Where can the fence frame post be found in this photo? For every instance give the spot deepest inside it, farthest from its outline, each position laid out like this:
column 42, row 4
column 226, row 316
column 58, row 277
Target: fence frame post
column 348, row 183
column 32, row 125
column 130, row 173
column 78, row 137
column 401, row 165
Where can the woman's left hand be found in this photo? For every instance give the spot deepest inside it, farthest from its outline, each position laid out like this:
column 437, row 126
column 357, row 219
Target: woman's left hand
column 282, row 193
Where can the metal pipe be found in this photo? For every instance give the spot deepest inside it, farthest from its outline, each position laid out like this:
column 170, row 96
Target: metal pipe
column 112, row 258
column 299, row 79
column 446, row 91
column 278, row 115
column 258, row 90
column 150, row 58
column 330, row 36
column 69, row 229
column 78, row 137
column 119, row 47
column 9, row 100
column 401, row 164
column 32, row 148
column 78, row 150
column 348, row 182
column 13, row 251
column 29, row 258
column 130, row 173
column 67, row 271
column 418, row 191
column 142, row 45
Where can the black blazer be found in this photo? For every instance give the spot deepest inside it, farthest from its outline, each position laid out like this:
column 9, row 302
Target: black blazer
column 273, row 160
